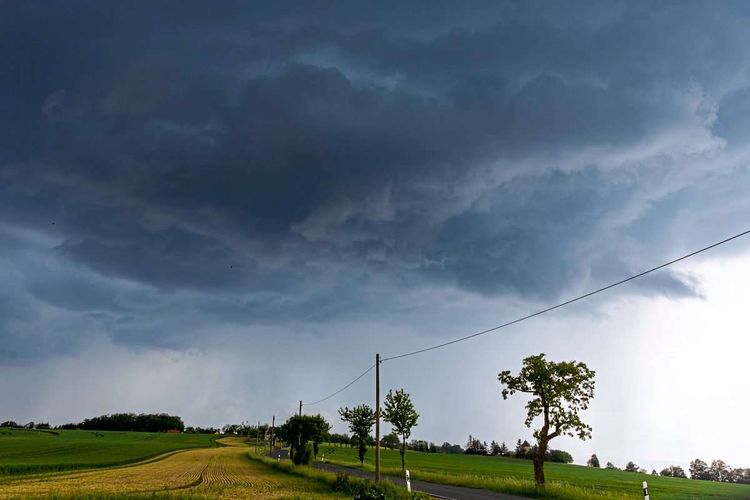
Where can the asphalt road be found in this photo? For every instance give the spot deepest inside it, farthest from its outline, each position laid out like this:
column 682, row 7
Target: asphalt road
column 432, row 489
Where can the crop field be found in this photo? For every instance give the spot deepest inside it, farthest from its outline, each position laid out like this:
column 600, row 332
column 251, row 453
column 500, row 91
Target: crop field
column 26, row 451
column 225, row 472
column 503, row 474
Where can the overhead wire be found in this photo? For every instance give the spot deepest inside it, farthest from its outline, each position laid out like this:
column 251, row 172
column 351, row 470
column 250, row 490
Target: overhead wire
column 567, row 302
column 537, row 313
column 340, row 390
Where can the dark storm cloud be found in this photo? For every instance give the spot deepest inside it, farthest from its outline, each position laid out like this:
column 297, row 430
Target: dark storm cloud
column 281, row 156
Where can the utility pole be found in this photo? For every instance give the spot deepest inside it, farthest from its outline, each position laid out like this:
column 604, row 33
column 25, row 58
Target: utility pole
column 273, row 428
column 299, row 431
column 377, row 417
column 257, row 440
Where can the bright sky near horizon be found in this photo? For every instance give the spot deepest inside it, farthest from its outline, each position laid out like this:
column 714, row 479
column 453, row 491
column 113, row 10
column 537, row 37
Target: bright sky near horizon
column 216, row 212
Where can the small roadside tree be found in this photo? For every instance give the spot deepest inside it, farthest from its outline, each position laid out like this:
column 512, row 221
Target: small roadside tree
column 399, row 412
column 560, row 391
column 303, row 433
column 593, row 461
column 361, row 419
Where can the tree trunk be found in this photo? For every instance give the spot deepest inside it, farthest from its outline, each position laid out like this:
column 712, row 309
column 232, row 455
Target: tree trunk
column 541, row 449
column 403, row 454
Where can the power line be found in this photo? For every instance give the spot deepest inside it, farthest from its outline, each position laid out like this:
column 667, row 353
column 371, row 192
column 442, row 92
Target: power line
column 342, row 389
column 562, row 304
column 538, row 313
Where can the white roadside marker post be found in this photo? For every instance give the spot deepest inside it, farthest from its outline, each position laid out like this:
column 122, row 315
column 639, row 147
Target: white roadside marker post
column 645, row 490
column 408, row 483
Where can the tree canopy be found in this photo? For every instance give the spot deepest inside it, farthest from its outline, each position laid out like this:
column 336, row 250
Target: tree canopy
column 631, row 467
column 303, row 433
column 400, row 413
column 560, row 391
column 361, row 419
column 673, row 471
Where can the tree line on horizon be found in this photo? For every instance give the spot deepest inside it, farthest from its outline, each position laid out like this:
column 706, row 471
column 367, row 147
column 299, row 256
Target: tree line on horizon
column 104, row 420
column 132, row 422
column 523, row 450
column 718, row 471
column 28, row 425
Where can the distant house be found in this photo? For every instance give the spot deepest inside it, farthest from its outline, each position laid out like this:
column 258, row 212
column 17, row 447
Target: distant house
column 174, row 431
column 525, row 450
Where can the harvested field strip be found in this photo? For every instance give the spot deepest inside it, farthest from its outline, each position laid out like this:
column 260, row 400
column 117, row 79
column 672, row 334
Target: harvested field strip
column 224, row 472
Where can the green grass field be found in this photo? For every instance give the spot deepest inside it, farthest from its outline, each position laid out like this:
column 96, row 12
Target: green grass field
column 493, row 473
column 24, row 451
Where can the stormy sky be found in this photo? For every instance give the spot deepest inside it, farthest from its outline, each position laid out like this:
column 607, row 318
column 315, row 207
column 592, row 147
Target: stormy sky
column 217, row 209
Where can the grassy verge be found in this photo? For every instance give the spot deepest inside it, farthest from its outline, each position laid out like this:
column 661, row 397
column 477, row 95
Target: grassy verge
column 554, row 490
column 515, row 476
column 357, row 487
column 522, row 487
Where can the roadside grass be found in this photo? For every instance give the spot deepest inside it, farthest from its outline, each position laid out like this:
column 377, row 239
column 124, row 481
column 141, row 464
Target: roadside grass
column 508, row 475
column 29, row 451
column 357, row 487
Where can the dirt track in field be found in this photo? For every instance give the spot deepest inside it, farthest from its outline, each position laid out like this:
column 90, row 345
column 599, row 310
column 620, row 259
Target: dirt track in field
column 223, row 472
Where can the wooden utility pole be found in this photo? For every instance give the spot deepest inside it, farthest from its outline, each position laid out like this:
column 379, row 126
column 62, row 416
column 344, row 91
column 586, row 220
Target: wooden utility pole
column 299, row 431
column 377, row 417
column 257, row 440
column 273, row 428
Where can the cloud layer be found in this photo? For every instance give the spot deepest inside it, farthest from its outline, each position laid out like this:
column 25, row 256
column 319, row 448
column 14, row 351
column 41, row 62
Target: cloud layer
column 178, row 177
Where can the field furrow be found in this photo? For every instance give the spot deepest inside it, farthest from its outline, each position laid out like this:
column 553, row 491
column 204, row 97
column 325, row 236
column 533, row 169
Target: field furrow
column 216, row 472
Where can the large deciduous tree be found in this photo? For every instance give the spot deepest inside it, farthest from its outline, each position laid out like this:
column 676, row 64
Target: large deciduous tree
column 560, row 392
column 719, row 471
column 593, row 461
column 699, row 470
column 399, row 412
column 361, row 419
